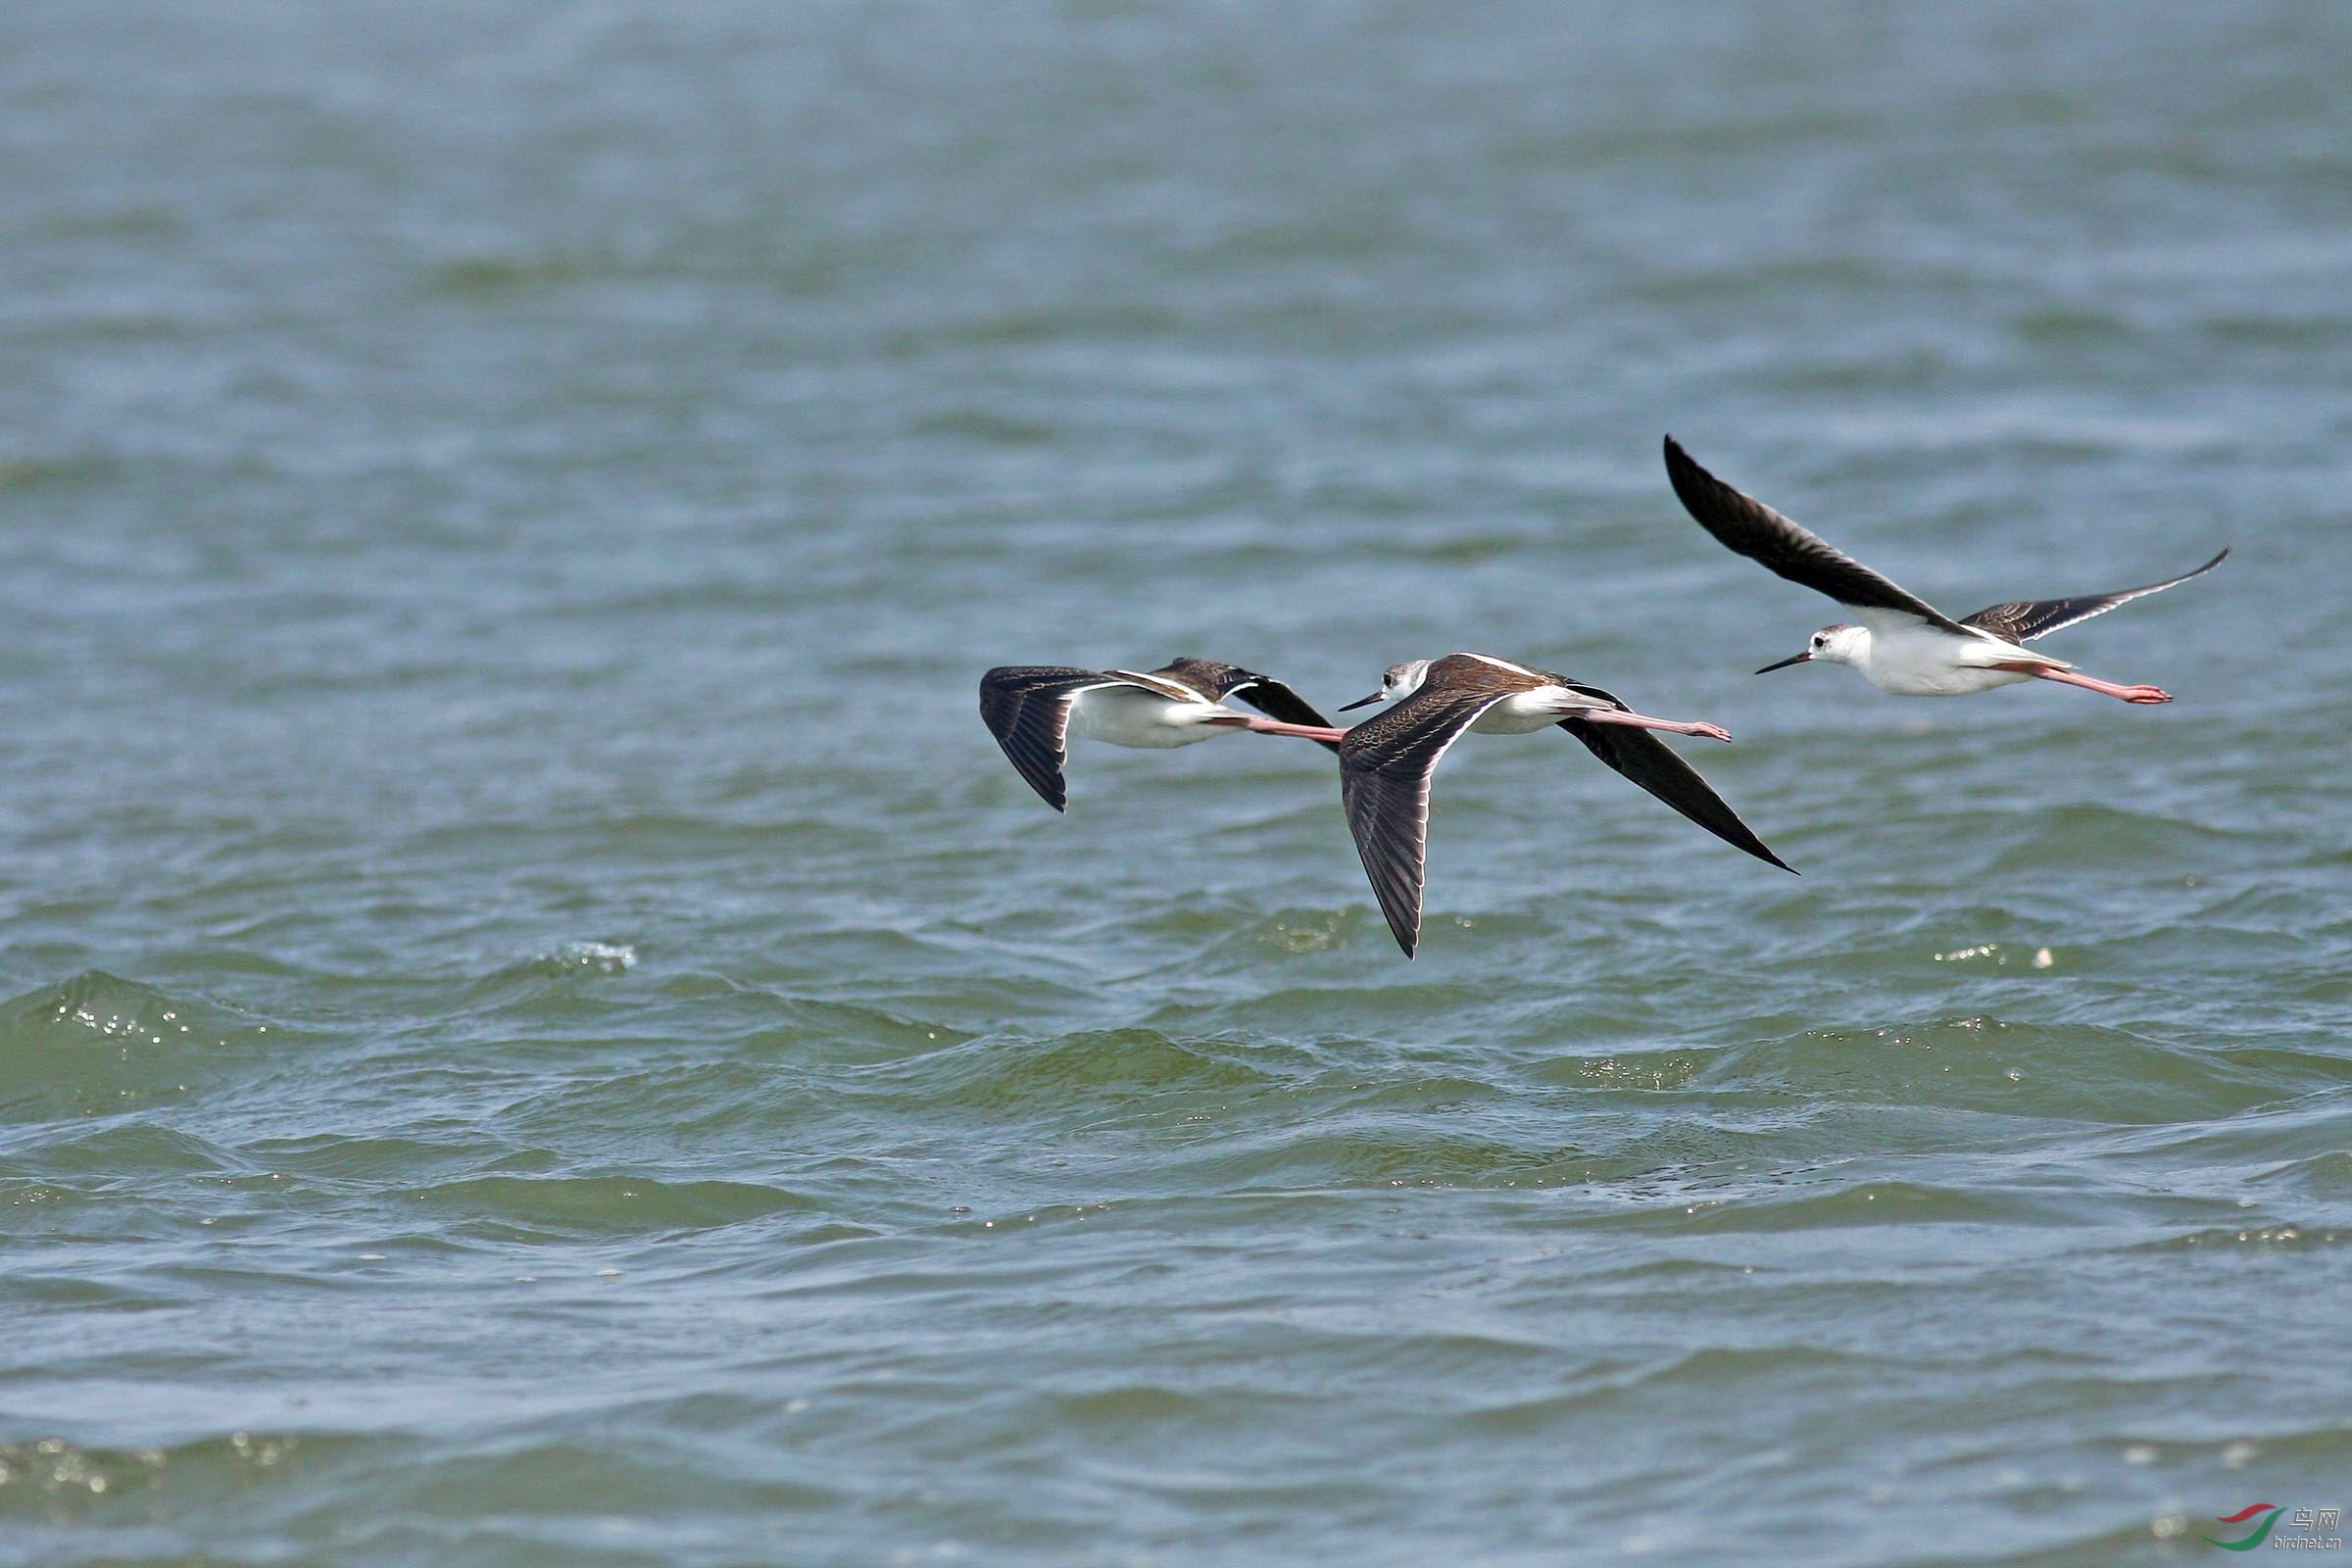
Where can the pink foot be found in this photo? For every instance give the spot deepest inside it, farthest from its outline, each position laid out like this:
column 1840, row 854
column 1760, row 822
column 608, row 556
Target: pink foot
column 2105, row 688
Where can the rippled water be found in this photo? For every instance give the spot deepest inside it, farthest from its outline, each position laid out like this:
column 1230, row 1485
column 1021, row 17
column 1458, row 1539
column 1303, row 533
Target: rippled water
column 544, row 1032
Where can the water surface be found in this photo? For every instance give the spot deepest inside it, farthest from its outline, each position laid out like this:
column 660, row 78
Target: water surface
column 544, row 1032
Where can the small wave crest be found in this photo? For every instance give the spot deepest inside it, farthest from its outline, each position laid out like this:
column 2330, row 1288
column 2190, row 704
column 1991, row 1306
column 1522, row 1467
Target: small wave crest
column 553, row 969
column 97, row 1042
column 588, row 957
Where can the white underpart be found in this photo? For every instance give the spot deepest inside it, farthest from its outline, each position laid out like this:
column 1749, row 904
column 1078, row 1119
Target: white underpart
column 1125, row 715
column 1523, row 712
column 1907, row 657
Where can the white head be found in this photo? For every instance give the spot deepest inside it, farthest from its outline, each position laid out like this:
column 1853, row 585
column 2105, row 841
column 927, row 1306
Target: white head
column 1832, row 645
column 1398, row 680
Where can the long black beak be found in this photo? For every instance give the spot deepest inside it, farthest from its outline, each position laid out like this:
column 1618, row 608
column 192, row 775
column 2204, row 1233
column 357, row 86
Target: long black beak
column 1362, row 702
column 1801, row 658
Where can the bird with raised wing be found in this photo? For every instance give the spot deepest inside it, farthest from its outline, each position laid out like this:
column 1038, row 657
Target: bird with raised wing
column 1905, row 645
column 1385, row 763
column 1035, row 710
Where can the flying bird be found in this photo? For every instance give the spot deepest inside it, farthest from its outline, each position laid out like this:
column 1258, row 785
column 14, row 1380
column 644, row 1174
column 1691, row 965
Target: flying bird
column 1385, row 763
column 1905, row 645
column 1034, row 709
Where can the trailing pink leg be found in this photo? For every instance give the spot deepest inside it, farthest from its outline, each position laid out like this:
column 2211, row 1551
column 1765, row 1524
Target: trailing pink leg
column 1275, row 726
column 1672, row 726
column 2106, row 688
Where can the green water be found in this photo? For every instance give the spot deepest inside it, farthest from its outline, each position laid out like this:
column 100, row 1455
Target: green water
column 543, row 1031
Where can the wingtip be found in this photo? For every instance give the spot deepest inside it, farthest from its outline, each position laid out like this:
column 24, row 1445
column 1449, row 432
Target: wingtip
column 1054, row 791
column 1692, row 484
column 1407, row 942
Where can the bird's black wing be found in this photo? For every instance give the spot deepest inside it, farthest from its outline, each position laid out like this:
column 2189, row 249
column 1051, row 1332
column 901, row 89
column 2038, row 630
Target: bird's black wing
column 1646, row 759
column 1385, row 765
column 1749, row 527
column 1027, row 708
column 2025, row 618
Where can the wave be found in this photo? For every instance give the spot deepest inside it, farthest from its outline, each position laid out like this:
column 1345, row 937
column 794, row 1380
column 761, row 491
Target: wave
column 97, row 1043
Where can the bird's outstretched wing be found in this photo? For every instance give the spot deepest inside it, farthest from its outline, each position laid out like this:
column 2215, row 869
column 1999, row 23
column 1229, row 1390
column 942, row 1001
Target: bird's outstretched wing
column 1027, row 708
column 1385, row 765
column 2022, row 619
column 1659, row 769
column 1749, row 527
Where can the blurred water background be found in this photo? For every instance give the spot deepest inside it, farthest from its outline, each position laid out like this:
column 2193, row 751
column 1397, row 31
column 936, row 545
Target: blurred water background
column 543, row 1030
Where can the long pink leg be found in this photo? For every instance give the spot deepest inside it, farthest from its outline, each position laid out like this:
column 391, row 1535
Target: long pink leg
column 1672, row 726
column 2107, row 688
column 1275, row 726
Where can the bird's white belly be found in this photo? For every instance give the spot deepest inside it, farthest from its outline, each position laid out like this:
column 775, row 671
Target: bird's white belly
column 1125, row 717
column 1930, row 662
column 1945, row 681
column 1522, row 713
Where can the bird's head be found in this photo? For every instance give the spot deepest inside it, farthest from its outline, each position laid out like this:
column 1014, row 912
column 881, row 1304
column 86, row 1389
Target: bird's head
column 1832, row 645
column 1398, row 680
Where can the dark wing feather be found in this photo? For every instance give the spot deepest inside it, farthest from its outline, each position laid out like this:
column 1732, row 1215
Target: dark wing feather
column 1658, row 768
column 1027, row 708
column 1210, row 677
column 1385, row 765
column 1749, row 527
column 2025, row 618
